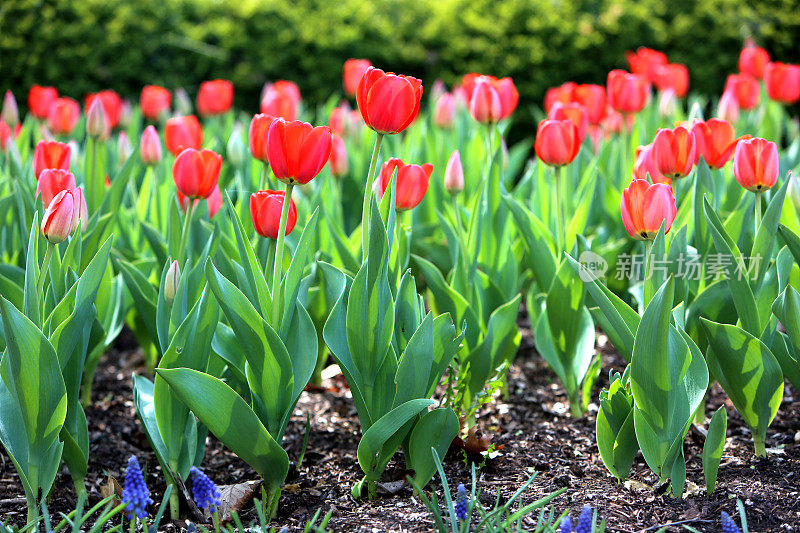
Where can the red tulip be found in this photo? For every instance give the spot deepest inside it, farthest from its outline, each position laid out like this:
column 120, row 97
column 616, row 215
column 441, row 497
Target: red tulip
column 574, row 112
column 265, row 209
column 644, row 61
column 388, row 102
column 783, row 82
column 506, row 93
column 281, row 99
column 297, row 151
column 445, row 111
column 10, row 112
column 50, row 155
column 259, row 130
column 155, row 101
column 215, row 97
column 745, row 89
column 411, row 182
column 52, row 181
column 63, row 115
column 753, row 60
column 627, row 93
column 645, row 207
column 59, row 217
column 214, row 201
column 645, row 166
column 484, row 103
column 593, row 98
column 715, row 141
column 196, row 172
column 39, row 100
column 563, row 93
column 183, row 132
column 454, row 174
column 755, row 164
column 674, row 152
column 352, row 73
column 338, row 160
column 5, row 135
column 728, row 107
column 112, row 105
column 150, row 146
column 557, row 142
column 337, row 121
column 672, row 76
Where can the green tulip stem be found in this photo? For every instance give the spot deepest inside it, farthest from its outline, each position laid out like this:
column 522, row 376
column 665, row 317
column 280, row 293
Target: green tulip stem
column 44, row 270
column 365, row 210
column 462, row 243
column 758, row 213
column 561, row 240
column 265, row 176
column 625, row 143
column 185, row 233
column 276, row 272
column 760, row 445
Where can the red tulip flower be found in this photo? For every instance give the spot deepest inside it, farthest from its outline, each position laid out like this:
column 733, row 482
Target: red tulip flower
column 63, row 115
column 753, row 60
column 783, row 82
column 297, row 151
column 645, row 60
column 627, row 93
column 445, row 111
column 196, row 172
column 557, row 142
column 39, row 100
column 52, row 181
column 745, row 89
column 259, row 131
column 150, row 146
column 338, row 160
column 574, row 112
column 674, row 152
column 50, row 155
column 59, row 217
column 265, row 209
column 715, row 141
column 411, row 182
column 564, row 93
column 645, row 207
column 645, row 166
column 672, row 76
column 155, row 101
column 337, row 121
column 112, row 105
column 213, row 202
column 281, row 99
column 183, row 132
column 215, row 97
column 755, row 164
column 352, row 73
column 5, row 135
column 481, row 101
column 593, row 98
column 484, row 103
column 388, row 102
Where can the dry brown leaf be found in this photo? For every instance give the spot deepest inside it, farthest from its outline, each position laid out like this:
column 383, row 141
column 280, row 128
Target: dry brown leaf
column 235, row 497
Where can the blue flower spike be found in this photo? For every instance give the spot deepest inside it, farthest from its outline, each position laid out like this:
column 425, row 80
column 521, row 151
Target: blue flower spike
column 584, row 524
column 728, row 525
column 462, row 502
column 135, row 494
column 205, row 492
column 566, row 524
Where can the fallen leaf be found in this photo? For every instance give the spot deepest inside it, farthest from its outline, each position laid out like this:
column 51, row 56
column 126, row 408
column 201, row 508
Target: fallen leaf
column 235, row 497
column 391, row 487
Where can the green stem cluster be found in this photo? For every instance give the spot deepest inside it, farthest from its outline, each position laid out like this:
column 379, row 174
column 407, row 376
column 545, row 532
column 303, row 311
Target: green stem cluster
column 365, row 209
column 276, row 272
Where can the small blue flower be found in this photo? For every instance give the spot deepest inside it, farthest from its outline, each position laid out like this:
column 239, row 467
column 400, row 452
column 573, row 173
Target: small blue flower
column 728, row 525
column 462, row 502
column 584, row 524
column 205, row 492
column 566, row 524
column 135, row 495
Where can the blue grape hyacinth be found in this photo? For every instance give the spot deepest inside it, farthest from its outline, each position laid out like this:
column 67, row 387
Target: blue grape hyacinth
column 462, row 502
column 584, row 524
column 135, row 494
column 205, row 492
column 728, row 525
column 566, row 524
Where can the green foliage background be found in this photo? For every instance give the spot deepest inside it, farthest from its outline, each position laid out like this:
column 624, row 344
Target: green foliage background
column 83, row 45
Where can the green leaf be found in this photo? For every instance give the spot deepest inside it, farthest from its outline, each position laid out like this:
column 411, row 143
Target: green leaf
column 765, row 238
column 414, row 366
column 538, row 242
column 291, row 281
column 792, row 241
column 713, row 447
column 616, row 438
column 435, row 429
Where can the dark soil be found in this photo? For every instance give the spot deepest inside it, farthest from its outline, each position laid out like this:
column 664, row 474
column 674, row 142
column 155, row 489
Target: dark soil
column 533, row 426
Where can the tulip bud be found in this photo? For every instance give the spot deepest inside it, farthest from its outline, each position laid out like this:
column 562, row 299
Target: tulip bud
column 59, row 218
column 96, row 123
column 183, row 104
column 81, row 214
column 124, row 148
column 150, row 146
column 454, row 174
column 51, row 182
column 794, row 190
column 171, row 282
column 338, row 160
column 728, row 107
column 444, row 112
column 125, row 113
column 10, row 113
column 667, row 102
column 237, row 151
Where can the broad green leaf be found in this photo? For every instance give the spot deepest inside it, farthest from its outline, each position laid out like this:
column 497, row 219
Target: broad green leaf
column 792, row 241
column 761, row 254
column 435, row 429
column 414, row 366
column 538, row 242
column 713, row 447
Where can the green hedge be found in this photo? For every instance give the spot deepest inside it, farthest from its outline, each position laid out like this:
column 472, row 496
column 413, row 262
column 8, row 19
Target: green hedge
column 82, row 45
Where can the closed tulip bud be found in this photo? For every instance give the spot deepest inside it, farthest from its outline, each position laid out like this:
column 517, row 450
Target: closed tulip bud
column 215, row 97
column 97, row 124
column 337, row 121
column 506, row 92
column 674, row 152
column 196, row 172
column 593, row 98
column 564, row 93
column 59, row 217
column 753, row 60
column 627, row 93
column 338, row 160
column 411, row 182
column 265, row 209
column 112, row 105
column 728, row 108
column 715, row 141
column 63, row 115
column 183, row 104
column 573, row 112
column 667, row 103
column 745, row 89
column 297, row 151
column 388, row 102
column 352, row 73
column 445, row 111
column 484, row 103
column 645, row 207
column 454, row 174
column 81, row 212
column 645, row 61
column 672, row 76
column 39, row 100
column 171, row 282
column 755, row 164
column 794, row 190
column 51, row 182
column 259, row 131
column 236, row 149
column 150, row 146
column 10, row 113
column 183, row 132
column 645, row 167
column 557, row 142
column 783, row 82
column 124, row 148
column 50, row 155
column 155, row 102
column 281, row 99
column 125, row 114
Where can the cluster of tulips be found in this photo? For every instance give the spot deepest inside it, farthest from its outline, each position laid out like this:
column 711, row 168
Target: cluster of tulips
column 400, row 244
